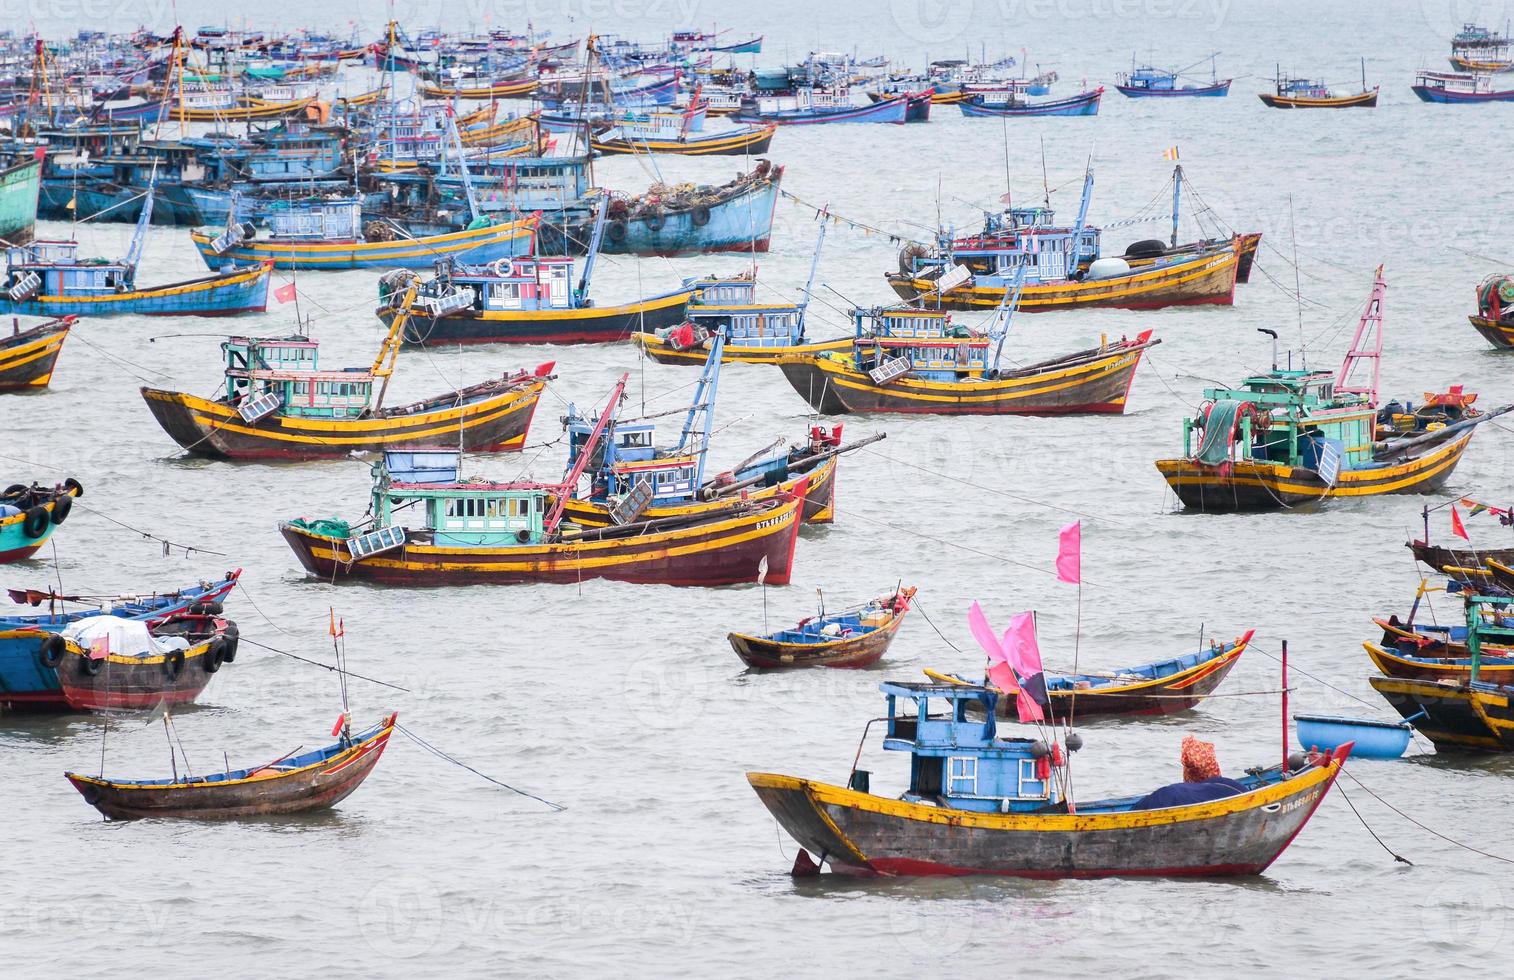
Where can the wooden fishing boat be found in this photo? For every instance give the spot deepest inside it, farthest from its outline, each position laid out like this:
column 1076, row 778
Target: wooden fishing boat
column 917, row 104
column 1456, row 715
column 1439, row 661
column 1457, row 88
column 1082, row 104
column 107, row 662
column 330, row 234
column 917, row 362
column 27, row 357
column 981, row 804
column 530, row 299
column 20, row 187
column 633, row 478
column 1163, row 687
column 851, row 638
column 736, row 216
column 315, row 780
column 30, row 514
column 48, row 278
column 1205, row 278
column 750, row 331
column 477, row 532
column 1147, row 82
column 1494, row 318
column 28, row 681
column 809, row 107
column 1476, row 48
column 279, row 404
column 1291, row 437
column 1300, row 93
column 512, row 88
column 741, row 141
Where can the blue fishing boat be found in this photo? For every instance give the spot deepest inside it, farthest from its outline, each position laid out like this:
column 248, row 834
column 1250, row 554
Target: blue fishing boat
column 48, row 278
column 809, row 106
column 1146, row 81
column 979, row 803
column 30, row 514
column 1458, row 88
column 26, row 678
column 733, row 217
column 1083, row 104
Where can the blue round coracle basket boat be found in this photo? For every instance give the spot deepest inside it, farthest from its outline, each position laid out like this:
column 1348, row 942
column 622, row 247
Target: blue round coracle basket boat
column 1374, row 739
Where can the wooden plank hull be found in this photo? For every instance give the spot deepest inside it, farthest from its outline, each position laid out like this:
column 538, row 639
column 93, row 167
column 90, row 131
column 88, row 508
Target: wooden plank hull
column 477, row 246
column 1362, row 100
column 27, row 682
column 1443, row 664
column 722, row 551
column 1248, row 485
column 1206, row 279
column 27, row 358
column 1440, row 558
column 1495, row 332
column 134, row 683
column 513, row 89
column 240, row 290
column 268, row 793
column 1182, row 691
column 862, row 834
column 1456, row 716
column 748, row 141
column 491, row 418
column 661, row 351
column 20, row 186
column 1090, row 382
column 819, row 500
column 17, row 543
column 761, row 653
column 589, row 325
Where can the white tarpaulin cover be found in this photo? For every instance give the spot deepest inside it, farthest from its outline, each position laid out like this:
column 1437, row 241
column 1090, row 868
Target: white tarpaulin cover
column 128, row 637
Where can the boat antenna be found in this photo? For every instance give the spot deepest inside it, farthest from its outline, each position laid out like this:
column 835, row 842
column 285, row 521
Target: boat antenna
column 1009, row 199
column 1285, row 707
column 1364, row 74
column 1045, row 184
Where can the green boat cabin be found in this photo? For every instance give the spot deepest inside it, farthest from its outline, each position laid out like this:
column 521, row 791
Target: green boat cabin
column 265, row 374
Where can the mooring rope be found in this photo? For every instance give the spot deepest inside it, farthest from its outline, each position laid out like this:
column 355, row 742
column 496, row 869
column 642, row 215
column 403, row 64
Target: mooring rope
column 558, row 807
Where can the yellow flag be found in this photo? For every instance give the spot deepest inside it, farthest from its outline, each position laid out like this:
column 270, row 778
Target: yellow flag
column 70, row 205
column 1171, row 153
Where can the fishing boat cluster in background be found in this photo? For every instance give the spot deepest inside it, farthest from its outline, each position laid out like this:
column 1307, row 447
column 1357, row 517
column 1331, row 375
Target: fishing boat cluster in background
column 458, row 181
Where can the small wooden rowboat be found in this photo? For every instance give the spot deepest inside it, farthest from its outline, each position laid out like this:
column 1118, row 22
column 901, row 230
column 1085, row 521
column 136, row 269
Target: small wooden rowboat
column 1440, row 558
column 141, row 679
column 27, row 357
column 514, row 88
column 314, row 780
column 1164, row 687
column 849, row 638
column 30, row 514
column 1440, row 661
column 744, row 141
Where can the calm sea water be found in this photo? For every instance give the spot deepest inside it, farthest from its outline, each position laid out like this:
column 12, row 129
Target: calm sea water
column 626, row 705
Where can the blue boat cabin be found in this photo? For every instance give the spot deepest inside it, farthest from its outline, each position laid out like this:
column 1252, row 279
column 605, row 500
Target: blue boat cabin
column 896, row 340
column 53, row 268
column 730, row 306
column 957, row 759
column 337, row 219
column 525, row 282
column 631, row 457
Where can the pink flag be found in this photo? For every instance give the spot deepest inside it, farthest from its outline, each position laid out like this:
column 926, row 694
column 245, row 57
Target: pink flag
column 1020, row 646
column 1070, row 553
column 1002, row 676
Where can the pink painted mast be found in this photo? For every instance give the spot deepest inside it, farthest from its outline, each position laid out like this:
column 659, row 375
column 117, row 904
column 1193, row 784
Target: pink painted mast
column 1366, row 347
column 554, row 516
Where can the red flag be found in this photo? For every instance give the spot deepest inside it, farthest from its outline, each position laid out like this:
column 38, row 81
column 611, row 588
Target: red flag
column 1070, row 553
column 284, row 294
column 337, row 728
column 99, row 648
column 337, row 629
column 1456, row 526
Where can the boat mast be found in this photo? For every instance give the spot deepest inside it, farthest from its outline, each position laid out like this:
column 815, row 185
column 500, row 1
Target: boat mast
column 139, row 234
column 594, row 242
column 1177, row 192
column 809, row 283
column 1366, row 346
column 703, row 408
column 383, row 364
column 462, row 165
column 554, row 517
